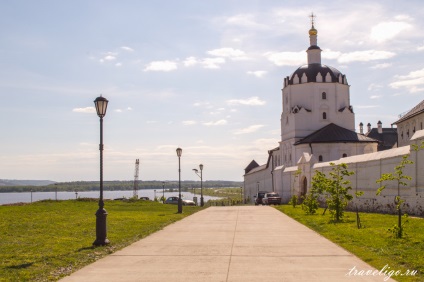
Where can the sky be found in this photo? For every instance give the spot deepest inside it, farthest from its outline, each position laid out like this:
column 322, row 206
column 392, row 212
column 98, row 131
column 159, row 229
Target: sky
column 205, row 76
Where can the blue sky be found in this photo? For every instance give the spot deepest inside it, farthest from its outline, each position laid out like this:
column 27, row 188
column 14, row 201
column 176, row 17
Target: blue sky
column 205, row 76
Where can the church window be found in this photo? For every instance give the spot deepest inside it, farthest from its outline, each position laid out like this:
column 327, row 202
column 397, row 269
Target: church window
column 413, row 130
column 407, row 133
column 290, row 158
column 344, row 156
column 401, row 135
column 320, row 158
column 324, row 115
column 324, row 96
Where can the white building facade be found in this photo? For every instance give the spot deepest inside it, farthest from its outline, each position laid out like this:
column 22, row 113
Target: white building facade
column 318, row 127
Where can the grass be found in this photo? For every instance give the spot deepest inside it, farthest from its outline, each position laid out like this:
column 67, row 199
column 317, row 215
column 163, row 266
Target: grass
column 47, row 240
column 233, row 193
column 373, row 243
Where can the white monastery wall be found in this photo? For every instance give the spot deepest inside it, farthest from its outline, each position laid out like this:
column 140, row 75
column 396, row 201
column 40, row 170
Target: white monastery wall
column 367, row 167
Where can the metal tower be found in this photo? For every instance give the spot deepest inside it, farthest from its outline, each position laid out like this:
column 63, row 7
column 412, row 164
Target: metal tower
column 137, row 164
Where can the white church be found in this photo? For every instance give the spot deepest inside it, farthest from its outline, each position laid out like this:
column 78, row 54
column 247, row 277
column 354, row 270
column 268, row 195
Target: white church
column 318, row 127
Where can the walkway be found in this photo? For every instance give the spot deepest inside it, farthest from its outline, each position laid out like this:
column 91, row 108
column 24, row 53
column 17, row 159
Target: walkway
column 247, row 243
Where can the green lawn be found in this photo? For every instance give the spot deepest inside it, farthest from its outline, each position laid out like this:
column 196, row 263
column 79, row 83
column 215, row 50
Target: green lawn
column 373, row 243
column 48, row 240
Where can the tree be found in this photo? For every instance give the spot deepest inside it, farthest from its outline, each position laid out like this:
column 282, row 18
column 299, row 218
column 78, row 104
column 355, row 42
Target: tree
column 310, row 203
column 400, row 179
column 337, row 190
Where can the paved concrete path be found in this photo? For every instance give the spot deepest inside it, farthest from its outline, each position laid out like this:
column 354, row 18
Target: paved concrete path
column 247, row 243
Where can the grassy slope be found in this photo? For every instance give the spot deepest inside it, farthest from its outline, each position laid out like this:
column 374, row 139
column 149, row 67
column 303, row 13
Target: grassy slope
column 373, row 244
column 47, row 240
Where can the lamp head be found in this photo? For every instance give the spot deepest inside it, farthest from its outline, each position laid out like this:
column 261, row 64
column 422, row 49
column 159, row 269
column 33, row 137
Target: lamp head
column 201, row 166
column 101, row 106
column 179, row 152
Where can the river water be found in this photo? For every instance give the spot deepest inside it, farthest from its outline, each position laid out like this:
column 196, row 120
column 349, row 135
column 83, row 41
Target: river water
column 28, row 197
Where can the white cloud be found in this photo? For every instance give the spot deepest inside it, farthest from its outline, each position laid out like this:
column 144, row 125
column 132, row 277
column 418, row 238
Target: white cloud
column 190, row 61
column 126, row 48
column 420, row 48
column 207, row 63
column 257, row 73
column 365, row 56
column 189, row 122
column 212, row 63
column 161, row 66
column 129, row 109
column 214, row 123
column 287, row 58
column 375, row 96
column 330, row 55
column 252, row 101
column 388, row 30
column 231, row 53
column 250, row 129
column 89, row 110
column 374, row 86
column 413, row 74
column 244, row 20
column 118, row 110
column 226, row 52
column 403, row 18
column 109, row 58
column 203, row 104
column 118, row 64
column 414, row 81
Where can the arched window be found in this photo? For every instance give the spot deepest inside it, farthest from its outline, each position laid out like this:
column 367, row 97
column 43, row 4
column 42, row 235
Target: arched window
column 324, row 95
column 320, row 158
column 324, row 115
column 344, row 155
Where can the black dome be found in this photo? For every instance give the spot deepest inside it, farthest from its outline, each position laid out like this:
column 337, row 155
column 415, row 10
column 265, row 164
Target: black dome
column 312, row 71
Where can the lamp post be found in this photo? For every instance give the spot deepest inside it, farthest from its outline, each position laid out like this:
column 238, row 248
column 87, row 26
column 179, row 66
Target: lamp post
column 31, row 195
column 55, row 185
column 201, row 183
column 163, row 192
column 101, row 214
column 180, row 202
column 155, row 195
column 76, row 195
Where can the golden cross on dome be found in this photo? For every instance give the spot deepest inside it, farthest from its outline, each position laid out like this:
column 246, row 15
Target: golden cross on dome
column 312, row 16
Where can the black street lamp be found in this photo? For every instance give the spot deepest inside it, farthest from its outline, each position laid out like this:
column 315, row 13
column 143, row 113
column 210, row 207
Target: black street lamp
column 101, row 214
column 76, row 195
column 180, row 201
column 201, row 183
column 163, row 192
